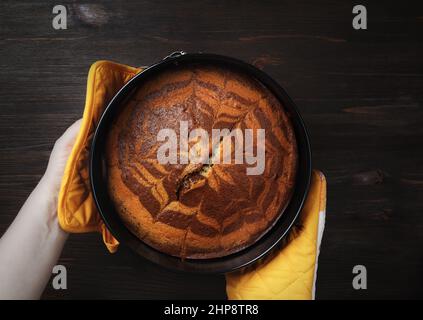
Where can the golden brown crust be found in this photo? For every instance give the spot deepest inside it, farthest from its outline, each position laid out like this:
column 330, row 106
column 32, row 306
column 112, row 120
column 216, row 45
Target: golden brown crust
column 217, row 213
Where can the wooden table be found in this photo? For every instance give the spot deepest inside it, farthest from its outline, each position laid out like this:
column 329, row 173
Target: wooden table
column 360, row 92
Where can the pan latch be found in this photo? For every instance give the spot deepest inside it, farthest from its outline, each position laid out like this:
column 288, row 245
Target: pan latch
column 175, row 54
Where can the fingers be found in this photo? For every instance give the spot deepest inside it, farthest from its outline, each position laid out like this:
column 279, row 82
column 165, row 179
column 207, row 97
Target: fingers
column 72, row 131
column 69, row 136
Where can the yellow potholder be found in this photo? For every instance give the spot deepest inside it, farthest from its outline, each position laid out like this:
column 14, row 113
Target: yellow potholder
column 289, row 275
column 76, row 208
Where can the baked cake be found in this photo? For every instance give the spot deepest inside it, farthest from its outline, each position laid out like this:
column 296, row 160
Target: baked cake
column 199, row 211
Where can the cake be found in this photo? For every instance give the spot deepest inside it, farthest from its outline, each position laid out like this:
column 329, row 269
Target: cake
column 206, row 210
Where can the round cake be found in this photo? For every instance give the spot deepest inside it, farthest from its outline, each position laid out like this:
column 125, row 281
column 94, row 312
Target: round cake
column 200, row 210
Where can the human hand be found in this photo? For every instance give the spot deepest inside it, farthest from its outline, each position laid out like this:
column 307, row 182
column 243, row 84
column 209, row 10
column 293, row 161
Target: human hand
column 59, row 156
column 32, row 244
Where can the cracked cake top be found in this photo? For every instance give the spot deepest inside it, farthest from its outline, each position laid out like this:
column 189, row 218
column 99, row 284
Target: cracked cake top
column 205, row 210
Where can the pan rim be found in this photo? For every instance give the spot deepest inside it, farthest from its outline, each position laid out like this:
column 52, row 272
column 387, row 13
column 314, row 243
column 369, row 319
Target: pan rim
column 258, row 250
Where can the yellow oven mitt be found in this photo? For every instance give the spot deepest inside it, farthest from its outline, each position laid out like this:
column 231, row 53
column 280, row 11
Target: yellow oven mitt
column 76, row 208
column 290, row 274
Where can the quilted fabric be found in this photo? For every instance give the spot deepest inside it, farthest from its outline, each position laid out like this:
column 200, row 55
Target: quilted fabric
column 291, row 274
column 76, row 208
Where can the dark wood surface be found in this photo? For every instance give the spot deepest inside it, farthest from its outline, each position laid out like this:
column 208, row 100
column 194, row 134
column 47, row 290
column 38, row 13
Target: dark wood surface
column 360, row 93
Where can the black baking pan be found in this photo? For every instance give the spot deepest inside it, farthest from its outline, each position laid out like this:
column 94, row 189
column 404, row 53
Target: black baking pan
column 229, row 263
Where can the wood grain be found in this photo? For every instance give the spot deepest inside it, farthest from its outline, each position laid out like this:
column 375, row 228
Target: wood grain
column 360, row 93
